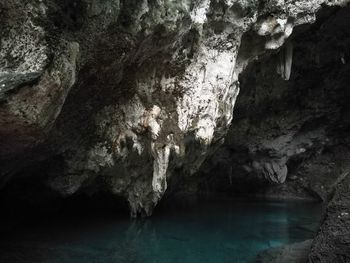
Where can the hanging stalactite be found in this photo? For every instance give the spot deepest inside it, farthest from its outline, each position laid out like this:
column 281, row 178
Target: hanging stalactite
column 284, row 66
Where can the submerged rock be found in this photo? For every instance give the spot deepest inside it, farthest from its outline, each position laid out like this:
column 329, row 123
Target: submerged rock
column 294, row 253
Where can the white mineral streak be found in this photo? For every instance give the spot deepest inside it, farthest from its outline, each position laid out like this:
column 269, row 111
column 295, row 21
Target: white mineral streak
column 284, row 67
column 288, row 61
column 161, row 156
column 342, row 58
column 160, row 166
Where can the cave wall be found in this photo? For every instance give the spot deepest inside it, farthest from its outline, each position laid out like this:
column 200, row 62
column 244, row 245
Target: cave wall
column 290, row 132
column 121, row 96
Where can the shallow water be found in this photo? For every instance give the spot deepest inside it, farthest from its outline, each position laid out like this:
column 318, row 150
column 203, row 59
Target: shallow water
column 209, row 231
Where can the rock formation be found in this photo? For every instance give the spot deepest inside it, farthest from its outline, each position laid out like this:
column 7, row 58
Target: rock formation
column 292, row 131
column 290, row 139
column 120, row 96
column 130, row 96
column 332, row 241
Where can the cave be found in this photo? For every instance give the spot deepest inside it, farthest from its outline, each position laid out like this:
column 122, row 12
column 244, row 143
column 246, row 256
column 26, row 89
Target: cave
column 175, row 131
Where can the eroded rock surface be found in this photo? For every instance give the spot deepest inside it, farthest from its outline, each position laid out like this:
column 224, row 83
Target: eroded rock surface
column 295, row 130
column 119, row 96
column 290, row 133
column 332, row 244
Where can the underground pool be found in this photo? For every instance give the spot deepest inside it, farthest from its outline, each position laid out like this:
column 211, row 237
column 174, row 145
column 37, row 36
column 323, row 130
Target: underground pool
column 211, row 230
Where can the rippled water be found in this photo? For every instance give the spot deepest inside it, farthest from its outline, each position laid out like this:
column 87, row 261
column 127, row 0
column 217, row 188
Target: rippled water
column 209, row 231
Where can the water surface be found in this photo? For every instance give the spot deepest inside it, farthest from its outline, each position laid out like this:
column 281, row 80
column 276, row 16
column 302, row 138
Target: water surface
column 208, row 231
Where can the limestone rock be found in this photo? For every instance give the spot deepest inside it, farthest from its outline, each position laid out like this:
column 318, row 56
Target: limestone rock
column 290, row 131
column 120, row 96
column 332, row 242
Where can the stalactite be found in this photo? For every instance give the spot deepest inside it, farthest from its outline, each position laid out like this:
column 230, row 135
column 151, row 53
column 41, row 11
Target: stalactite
column 284, row 67
column 342, row 58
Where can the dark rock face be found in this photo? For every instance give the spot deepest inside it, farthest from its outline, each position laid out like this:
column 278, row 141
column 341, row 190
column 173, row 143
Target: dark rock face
column 124, row 96
column 332, row 243
column 293, row 136
column 121, row 96
column 296, row 130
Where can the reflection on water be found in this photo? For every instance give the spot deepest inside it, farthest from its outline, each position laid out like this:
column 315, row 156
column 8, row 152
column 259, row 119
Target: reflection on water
column 211, row 231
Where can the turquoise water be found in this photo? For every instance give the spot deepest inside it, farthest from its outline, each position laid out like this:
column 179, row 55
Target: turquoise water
column 209, row 231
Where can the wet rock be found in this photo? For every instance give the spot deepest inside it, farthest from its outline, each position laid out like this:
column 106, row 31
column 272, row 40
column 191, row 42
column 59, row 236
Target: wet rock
column 332, row 243
column 294, row 253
